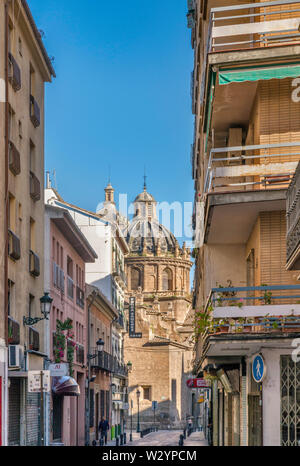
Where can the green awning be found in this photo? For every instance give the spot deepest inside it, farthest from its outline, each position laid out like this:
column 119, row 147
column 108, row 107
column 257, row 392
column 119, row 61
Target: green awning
column 209, row 107
column 239, row 75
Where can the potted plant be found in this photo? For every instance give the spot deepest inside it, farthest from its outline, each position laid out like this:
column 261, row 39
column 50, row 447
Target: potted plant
column 248, row 325
column 267, row 296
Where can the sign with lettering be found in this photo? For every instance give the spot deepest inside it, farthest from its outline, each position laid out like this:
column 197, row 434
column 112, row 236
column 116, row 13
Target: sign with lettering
column 197, row 383
column 34, row 381
column 59, row 370
column 131, row 323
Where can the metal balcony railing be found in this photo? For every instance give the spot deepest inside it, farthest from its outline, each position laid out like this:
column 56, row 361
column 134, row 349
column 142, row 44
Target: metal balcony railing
column 263, row 161
column 253, row 25
column 252, row 309
column 103, row 360
column 293, row 214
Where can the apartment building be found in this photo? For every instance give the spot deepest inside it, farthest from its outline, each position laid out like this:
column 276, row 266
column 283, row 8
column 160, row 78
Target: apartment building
column 107, row 274
column 25, row 68
column 245, row 98
column 67, row 252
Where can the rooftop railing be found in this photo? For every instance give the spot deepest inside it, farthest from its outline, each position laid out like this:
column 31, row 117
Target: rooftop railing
column 253, row 25
column 263, row 161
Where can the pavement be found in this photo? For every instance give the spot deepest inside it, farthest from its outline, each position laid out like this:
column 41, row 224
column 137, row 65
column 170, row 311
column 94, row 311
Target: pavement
column 167, row 438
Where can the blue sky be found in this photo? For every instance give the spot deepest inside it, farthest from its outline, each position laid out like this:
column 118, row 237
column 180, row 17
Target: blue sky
column 121, row 97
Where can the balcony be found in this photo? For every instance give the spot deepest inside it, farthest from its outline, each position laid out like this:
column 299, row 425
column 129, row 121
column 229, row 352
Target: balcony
column 119, row 369
column 35, row 187
column 293, row 222
column 34, row 339
column 13, row 331
column 34, row 264
column 237, row 319
column 58, row 277
column 14, row 159
column 254, row 25
column 35, row 115
column 70, row 288
column 14, row 73
column 103, row 361
column 253, row 167
column 79, row 297
column 14, row 246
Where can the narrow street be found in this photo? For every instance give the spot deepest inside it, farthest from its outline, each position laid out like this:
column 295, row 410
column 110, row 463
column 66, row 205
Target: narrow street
column 167, row 438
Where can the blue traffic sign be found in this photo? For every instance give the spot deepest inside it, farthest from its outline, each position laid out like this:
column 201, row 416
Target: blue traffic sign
column 258, row 368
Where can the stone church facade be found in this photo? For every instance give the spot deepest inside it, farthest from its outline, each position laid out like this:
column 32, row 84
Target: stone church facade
column 158, row 276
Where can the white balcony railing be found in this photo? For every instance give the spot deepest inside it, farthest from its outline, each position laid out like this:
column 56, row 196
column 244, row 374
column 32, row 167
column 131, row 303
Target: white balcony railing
column 251, row 167
column 260, row 24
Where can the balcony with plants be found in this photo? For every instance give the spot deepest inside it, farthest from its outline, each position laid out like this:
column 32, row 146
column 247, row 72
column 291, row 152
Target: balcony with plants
column 250, row 310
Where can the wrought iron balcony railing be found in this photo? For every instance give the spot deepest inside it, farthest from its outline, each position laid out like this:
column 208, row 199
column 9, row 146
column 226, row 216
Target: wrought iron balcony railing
column 293, row 215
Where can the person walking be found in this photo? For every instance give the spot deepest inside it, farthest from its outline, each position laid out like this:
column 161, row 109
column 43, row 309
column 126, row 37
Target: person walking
column 103, row 429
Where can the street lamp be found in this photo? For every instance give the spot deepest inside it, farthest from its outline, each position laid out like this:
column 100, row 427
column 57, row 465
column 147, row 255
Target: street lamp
column 129, row 366
column 46, row 302
column 138, row 394
column 131, row 406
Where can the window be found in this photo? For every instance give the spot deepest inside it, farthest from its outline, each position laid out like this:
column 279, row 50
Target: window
column 31, row 156
column 10, row 300
column 31, row 306
column 20, row 130
column 167, row 280
column 32, row 235
column 12, row 213
column 70, row 267
column 136, row 278
column 12, row 123
column 20, row 47
column 32, row 81
column 147, row 393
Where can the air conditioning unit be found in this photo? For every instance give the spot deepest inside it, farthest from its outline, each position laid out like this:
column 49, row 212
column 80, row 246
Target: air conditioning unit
column 15, row 356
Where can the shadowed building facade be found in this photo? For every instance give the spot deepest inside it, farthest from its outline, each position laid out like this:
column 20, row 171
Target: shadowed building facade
column 158, row 272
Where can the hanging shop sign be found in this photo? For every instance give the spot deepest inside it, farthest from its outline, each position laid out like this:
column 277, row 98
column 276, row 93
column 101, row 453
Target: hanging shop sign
column 132, row 332
column 197, row 383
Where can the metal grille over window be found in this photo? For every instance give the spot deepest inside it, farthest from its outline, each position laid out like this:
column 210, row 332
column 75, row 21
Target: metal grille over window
column 290, row 402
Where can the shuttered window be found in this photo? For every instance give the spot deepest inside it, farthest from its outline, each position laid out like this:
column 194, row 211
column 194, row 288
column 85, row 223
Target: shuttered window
column 273, row 253
column 14, row 412
column 279, row 119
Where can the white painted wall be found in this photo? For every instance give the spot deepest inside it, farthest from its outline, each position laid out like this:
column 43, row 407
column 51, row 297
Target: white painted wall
column 271, row 395
column 99, row 234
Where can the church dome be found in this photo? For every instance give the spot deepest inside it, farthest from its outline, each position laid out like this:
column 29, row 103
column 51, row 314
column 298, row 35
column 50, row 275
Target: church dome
column 145, row 234
column 144, row 196
column 149, row 236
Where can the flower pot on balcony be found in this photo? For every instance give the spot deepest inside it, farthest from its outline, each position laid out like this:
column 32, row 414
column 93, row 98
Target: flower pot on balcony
column 247, row 328
column 223, row 329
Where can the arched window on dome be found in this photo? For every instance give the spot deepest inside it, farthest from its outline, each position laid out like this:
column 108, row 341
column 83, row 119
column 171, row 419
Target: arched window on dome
column 167, row 280
column 136, row 278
